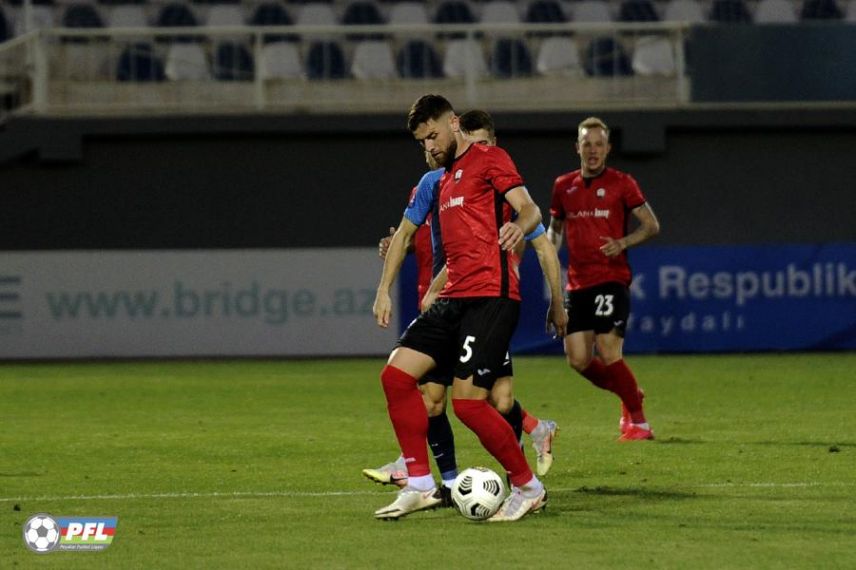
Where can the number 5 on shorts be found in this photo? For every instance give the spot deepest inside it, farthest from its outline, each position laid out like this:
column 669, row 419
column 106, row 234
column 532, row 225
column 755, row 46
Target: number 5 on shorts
column 468, row 351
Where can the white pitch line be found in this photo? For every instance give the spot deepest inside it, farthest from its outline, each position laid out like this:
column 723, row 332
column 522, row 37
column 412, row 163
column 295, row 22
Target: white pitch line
column 261, row 494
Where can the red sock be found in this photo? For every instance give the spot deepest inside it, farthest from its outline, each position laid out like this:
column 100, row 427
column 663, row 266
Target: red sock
column 496, row 436
column 409, row 418
column 597, row 374
column 529, row 422
column 627, row 389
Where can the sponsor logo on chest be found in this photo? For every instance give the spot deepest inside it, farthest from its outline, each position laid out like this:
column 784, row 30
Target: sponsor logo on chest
column 453, row 202
column 596, row 213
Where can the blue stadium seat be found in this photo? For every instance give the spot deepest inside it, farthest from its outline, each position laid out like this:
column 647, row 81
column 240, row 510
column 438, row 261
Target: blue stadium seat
column 418, row 60
column 510, row 58
column 138, row 63
column 821, row 10
column 453, row 12
column 362, row 13
column 273, row 14
column 605, row 57
column 4, row 26
column 233, row 62
column 325, row 60
column 82, row 16
column 177, row 15
column 638, row 11
column 545, row 12
column 730, row 12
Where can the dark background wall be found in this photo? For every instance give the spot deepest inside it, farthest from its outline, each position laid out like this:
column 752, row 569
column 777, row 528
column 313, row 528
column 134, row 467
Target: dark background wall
column 208, row 182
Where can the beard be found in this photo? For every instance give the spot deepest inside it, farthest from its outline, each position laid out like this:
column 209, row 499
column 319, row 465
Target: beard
column 445, row 160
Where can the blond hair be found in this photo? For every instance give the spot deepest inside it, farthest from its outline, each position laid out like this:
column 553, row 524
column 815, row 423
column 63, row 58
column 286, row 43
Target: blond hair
column 592, row 123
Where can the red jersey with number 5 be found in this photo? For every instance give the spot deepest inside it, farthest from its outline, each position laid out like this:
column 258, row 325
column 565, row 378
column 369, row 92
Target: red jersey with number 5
column 472, row 210
column 593, row 208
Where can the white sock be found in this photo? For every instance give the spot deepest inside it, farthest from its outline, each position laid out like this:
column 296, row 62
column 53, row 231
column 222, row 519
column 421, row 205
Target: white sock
column 421, row 483
column 532, row 488
column 643, row 426
column 448, row 483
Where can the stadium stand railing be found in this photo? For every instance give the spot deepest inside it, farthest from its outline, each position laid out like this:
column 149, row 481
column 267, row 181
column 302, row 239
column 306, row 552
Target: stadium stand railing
column 344, row 68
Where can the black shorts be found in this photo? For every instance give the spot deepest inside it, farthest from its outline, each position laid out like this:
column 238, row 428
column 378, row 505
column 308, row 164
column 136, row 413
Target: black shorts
column 466, row 337
column 601, row 309
column 437, row 376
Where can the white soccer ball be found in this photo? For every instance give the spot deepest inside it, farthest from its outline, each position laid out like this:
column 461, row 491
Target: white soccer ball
column 478, row 493
column 41, row 533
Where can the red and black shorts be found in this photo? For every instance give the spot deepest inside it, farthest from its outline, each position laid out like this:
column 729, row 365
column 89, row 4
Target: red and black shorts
column 466, row 337
column 602, row 308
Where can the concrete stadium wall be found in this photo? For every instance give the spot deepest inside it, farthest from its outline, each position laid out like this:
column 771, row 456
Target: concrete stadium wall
column 713, row 177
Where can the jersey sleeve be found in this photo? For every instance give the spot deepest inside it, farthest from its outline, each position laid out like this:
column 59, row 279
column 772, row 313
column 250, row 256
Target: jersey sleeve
column 633, row 197
column 422, row 198
column 538, row 231
column 501, row 171
column 557, row 209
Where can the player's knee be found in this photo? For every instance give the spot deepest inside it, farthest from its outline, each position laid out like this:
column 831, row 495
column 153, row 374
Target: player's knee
column 503, row 403
column 394, row 379
column 578, row 362
column 435, row 407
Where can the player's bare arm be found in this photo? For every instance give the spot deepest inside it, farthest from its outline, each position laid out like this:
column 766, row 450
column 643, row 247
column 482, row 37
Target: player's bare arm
column 383, row 244
column 382, row 308
column 557, row 318
column 649, row 226
column 433, row 291
column 554, row 232
column 528, row 217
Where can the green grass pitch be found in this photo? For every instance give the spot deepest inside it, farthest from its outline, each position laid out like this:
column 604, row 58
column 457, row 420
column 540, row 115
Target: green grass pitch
column 256, row 464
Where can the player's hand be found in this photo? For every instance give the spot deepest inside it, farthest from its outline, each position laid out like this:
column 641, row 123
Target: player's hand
column 382, row 309
column 383, row 244
column 612, row 247
column 428, row 300
column 557, row 320
column 510, row 234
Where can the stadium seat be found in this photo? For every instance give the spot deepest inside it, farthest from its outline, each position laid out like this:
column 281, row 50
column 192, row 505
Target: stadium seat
column 453, row 12
column 362, row 13
column 730, row 12
column 316, row 15
column 176, row 15
column 500, row 12
column 233, row 62
column 462, row 57
column 280, row 60
column 684, row 11
column 225, row 15
column 558, row 56
column 653, row 55
column 273, row 14
column 138, row 63
column 605, row 57
column 510, row 59
column 41, row 17
column 638, row 11
column 821, row 10
column 82, row 16
column 4, row 26
column 418, row 60
column 592, row 11
column 850, row 15
column 373, row 60
column 127, row 16
column 545, row 12
column 408, row 13
column 325, row 60
column 186, row 61
column 775, row 12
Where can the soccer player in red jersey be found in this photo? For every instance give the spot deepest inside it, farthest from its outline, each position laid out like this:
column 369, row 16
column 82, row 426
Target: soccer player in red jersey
column 468, row 329
column 591, row 207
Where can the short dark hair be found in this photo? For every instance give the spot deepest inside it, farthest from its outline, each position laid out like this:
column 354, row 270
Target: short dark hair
column 476, row 119
column 426, row 108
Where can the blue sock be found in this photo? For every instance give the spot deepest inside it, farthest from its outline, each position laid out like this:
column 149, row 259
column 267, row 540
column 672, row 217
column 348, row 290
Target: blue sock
column 442, row 443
